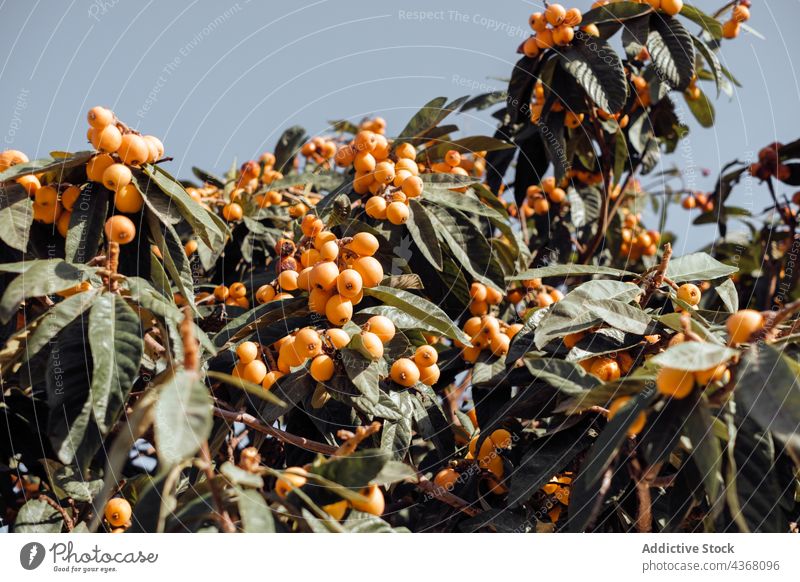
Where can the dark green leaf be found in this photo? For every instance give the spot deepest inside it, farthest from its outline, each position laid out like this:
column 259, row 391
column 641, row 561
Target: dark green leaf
column 598, row 69
column 117, row 347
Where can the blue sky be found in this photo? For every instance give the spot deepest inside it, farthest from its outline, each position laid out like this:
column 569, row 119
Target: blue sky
column 222, row 79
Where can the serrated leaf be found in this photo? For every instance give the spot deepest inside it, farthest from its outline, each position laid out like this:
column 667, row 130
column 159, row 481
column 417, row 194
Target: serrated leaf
column 183, row 418
column 710, row 24
column 420, row 308
column 614, row 12
column 117, row 347
column 16, row 216
column 672, row 51
column 693, row 356
column 598, row 69
column 697, row 267
column 37, row 516
column 38, row 278
column 423, row 233
column 86, row 223
column 701, row 108
column 254, row 511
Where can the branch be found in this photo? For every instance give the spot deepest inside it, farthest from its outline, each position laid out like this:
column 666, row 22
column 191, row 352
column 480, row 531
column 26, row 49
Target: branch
column 64, row 515
column 252, row 422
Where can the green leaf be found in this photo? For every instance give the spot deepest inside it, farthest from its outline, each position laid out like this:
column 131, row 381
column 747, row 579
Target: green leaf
column 175, row 260
column 37, row 516
column 621, row 155
column 431, row 114
column 697, row 267
column 69, row 481
column 672, row 51
column 423, row 233
column 768, row 391
column 568, row 270
column 598, row 69
column 288, row 145
column 575, row 311
column 254, row 389
column 208, row 177
column 38, row 278
column 693, row 356
column 545, row 457
column 706, row 452
column 614, row 12
column 471, row 144
column 86, row 223
column 620, row 315
column 48, row 164
column 710, row 24
column 55, row 319
column 420, row 308
column 183, row 418
column 468, row 246
column 634, row 35
column 254, row 511
column 566, row 377
column 117, row 347
column 712, row 60
column 211, row 229
column 355, row 471
column 16, row 216
column 701, row 108
column 729, row 295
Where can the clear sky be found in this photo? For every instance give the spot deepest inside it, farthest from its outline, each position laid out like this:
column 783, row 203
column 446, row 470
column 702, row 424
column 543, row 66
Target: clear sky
column 218, row 79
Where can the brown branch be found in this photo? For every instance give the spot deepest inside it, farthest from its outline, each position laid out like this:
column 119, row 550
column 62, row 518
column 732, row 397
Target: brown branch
column 222, row 515
column 55, row 505
column 658, row 277
column 252, row 422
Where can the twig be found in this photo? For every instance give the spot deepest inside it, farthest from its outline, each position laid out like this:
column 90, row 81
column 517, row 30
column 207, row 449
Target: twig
column 222, row 514
column 64, row 515
column 352, row 440
column 252, row 422
column 658, row 276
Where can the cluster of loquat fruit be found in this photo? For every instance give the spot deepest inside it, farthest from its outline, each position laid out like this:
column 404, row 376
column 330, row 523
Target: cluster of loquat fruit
column 121, row 148
column 488, row 458
column 554, row 27
column 769, row 164
column 319, row 150
column 637, row 241
column 539, row 197
column 482, row 297
column 391, row 178
column 697, row 200
column 333, row 271
column 487, row 333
